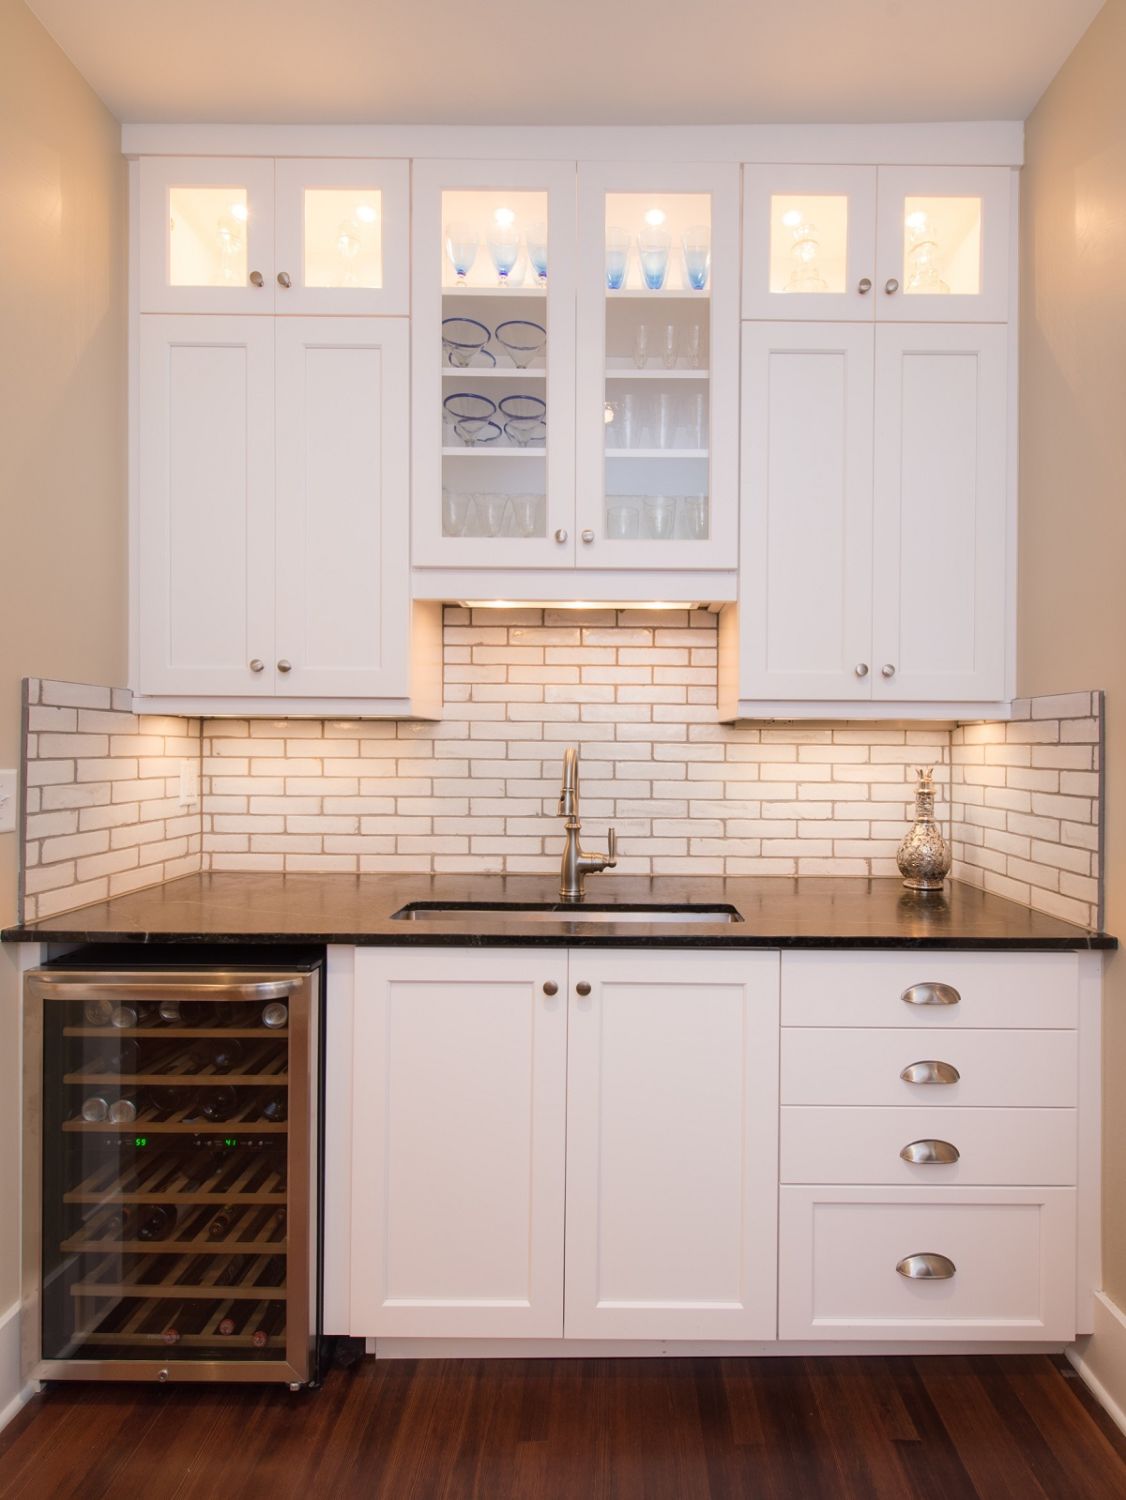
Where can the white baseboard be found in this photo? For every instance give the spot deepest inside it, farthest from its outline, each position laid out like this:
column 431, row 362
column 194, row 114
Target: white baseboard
column 1100, row 1359
column 13, row 1394
column 407, row 1348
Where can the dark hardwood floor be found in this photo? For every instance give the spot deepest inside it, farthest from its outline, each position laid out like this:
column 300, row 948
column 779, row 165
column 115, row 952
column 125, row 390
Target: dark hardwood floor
column 949, row 1428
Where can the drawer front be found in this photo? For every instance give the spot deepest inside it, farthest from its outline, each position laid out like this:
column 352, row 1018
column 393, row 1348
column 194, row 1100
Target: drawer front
column 992, row 1147
column 1010, row 1254
column 1025, row 990
column 1035, row 1069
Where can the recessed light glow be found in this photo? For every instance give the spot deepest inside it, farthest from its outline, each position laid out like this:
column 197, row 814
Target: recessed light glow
column 792, row 219
column 365, row 213
column 504, row 217
column 917, row 220
column 239, row 211
column 580, row 604
column 655, row 216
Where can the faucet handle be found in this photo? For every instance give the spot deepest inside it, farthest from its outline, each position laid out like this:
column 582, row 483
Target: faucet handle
column 611, row 848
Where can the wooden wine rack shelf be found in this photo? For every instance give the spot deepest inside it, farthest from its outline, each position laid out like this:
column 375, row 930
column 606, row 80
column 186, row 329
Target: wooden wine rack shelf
column 265, row 1065
column 242, row 1177
column 142, row 1323
column 150, row 1122
column 190, row 1278
column 249, row 1234
column 159, row 1031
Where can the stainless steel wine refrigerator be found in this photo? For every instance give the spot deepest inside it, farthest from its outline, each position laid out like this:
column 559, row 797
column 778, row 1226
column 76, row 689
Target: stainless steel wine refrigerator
column 172, row 1145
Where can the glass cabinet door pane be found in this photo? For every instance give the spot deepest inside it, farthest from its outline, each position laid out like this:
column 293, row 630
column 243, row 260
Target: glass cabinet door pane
column 808, row 243
column 343, row 232
column 207, row 236
column 941, row 246
column 656, row 427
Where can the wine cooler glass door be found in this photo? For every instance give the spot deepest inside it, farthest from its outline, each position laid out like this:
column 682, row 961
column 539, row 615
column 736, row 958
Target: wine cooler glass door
column 174, row 1173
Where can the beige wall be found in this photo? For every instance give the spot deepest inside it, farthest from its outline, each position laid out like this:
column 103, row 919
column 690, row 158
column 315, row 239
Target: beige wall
column 1073, row 470
column 63, row 240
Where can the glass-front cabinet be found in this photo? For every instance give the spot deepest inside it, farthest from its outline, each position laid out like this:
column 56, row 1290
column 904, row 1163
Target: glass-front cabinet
column 898, row 244
column 657, row 366
column 493, row 384
column 223, row 234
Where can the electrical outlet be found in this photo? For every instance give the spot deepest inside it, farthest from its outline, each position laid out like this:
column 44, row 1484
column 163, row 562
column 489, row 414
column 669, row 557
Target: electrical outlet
column 8, row 799
column 189, row 783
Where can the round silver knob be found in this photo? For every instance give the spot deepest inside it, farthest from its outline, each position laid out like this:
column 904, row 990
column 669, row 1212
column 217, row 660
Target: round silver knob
column 891, row 286
column 861, row 669
column 284, row 279
column 257, row 664
column 285, row 666
column 865, row 285
column 560, row 535
column 887, row 670
column 588, row 535
column 582, row 988
column 256, row 278
column 550, row 987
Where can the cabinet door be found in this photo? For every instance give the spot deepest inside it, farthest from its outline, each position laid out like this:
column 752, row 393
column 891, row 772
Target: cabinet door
column 658, row 366
column 806, row 543
column 944, row 244
column 206, row 235
column 672, row 1124
column 493, row 327
column 458, row 1143
column 205, row 575
column 809, row 242
column 343, row 237
column 343, row 552
column 939, row 584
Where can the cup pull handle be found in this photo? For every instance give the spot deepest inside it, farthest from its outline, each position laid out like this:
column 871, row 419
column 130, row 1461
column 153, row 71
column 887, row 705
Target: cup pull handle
column 930, row 994
column 930, row 1153
column 929, row 1071
column 926, row 1267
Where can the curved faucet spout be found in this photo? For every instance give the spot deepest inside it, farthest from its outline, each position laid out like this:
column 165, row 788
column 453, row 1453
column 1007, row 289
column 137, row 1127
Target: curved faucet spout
column 569, row 792
column 577, row 863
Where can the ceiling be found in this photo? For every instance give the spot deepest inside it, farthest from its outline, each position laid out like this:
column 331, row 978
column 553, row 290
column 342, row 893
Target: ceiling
column 531, row 62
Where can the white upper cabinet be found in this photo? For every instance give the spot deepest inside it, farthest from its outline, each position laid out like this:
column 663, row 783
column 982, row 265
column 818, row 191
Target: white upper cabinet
column 898, row 244
column 220, row 234
column 657, row 366
column 493, row 328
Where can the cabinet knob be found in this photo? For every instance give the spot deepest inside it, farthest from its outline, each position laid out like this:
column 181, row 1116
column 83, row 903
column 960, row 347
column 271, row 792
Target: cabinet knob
column 284, row 279
column 926, row 1267
column 550, row 987
column 887, row 670
column 930, row 1153
column 582, row 988
column 864, row 286
column 588, row 536
column 257, row 664
column 931, row 994
column 257, row 279
column 891, row 286
column 561, row 535
column 861, row 669
column 929, row 1071
column 285, row 666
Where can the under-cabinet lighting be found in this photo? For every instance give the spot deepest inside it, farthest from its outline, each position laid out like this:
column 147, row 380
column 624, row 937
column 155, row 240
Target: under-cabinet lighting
column 581, row 604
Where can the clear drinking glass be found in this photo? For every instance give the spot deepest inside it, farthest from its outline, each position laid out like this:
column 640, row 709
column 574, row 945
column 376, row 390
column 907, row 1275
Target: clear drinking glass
column 664, row 421
column 641, row 348
column 697, row 244
column 526, row 431
column 522, row 341
column 653, row 245
column 617, row 258
column 504, row 247
column 669, row 346
column 622, row 519
column 455, row 512
column 474, row 430
column 537, row 249
column 696, row 435
column 691, row 343
column 694, row 509
column 523, row 407
column 660, row 516
column 526, row 514
column 462, row 338
column 462, row 241
column 490, row 512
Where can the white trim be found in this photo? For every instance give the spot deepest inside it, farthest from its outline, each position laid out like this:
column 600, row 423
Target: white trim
column 187, row 706
column 1109, row 1332
column 336, row 1255
column 954, row 143
column 1088, row 1257
column 13, row 1393
column 405, row 1348
column 885, row 710
column 566, row 584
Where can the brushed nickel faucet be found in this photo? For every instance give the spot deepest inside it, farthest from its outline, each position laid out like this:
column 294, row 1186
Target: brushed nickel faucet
column 577, row 864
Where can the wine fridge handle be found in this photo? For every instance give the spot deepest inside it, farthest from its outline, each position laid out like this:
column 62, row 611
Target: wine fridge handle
column 100, row 989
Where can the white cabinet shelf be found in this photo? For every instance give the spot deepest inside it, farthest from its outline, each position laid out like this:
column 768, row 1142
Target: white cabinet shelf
column 490, row 450
column 656, row 453
column 501, row 372
column 619, row 373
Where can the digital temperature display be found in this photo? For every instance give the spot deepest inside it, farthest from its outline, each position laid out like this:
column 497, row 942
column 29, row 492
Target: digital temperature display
column 230, row 1140
column 140, row 1140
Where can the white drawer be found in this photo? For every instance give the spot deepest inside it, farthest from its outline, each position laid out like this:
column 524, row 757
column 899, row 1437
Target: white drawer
column 837, row 1066
column 1012, row 1252
column 1025, row 990
column 996, row 1147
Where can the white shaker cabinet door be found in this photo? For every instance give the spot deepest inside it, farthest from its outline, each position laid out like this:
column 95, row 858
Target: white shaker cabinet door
column 939, row 576
column 806, row 539
column 672, row 1145
column 459, row 1093
column 343, row 496
column 205, row 518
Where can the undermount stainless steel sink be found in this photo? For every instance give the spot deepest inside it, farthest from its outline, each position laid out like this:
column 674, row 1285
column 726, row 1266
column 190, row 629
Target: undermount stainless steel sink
column 562, row 912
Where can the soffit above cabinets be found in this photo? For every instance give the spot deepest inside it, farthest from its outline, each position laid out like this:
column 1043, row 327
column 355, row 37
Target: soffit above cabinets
column 729, row 62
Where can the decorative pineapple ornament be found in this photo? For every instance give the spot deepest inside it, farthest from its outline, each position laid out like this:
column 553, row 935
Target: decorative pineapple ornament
column 924, row 855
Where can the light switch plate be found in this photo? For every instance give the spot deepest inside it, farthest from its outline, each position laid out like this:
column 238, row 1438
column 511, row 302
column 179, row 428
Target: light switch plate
column 189, row 783
column 8, row 800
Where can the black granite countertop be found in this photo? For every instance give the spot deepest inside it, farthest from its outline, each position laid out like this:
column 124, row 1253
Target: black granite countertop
column 817, row 912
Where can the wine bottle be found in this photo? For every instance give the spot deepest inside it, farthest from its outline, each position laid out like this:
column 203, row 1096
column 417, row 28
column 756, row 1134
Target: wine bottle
column 219, row 1104
column 95, row 1109
column 176, row 1013
column 275, row 1015
column 226, row 1326
column 275, row 1106
column 273, row 1272
column 170, row 1099
column 225, row 1054
column 158, row 1223
column 97, row 1012
column 271, row 1324
column 119, row 1226
column 128, row 1056
column 122, row 1111
column 221, row 1222
column 124, row 1017
column 170, row 1335
column 233, row 1272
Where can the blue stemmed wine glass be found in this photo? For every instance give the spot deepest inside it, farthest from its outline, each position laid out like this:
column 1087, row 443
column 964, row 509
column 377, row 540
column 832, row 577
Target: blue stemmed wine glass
column 653, row 245
column 504, row 247
column 537, row 250
column 462, row 241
